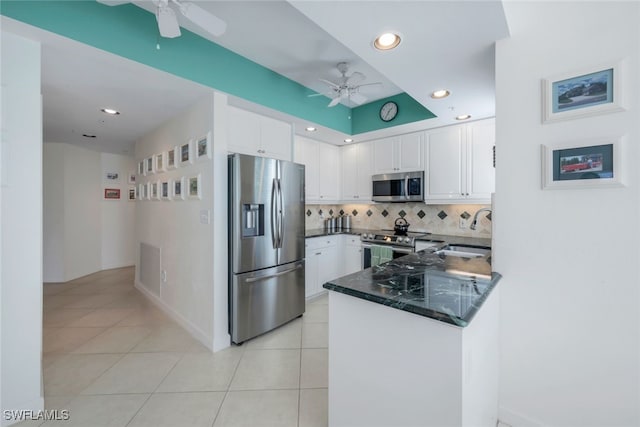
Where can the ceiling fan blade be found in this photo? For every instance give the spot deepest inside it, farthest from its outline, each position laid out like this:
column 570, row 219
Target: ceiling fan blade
column 330, row 84
column 202, row 18
column 369, row 87
column 167, row 22
column 315, row 94
column 355, row 78
column 358, row 98
column 113, row 2
column 335, row 101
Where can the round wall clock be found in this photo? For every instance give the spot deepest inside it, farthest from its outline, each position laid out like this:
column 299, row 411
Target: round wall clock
column 388, row 111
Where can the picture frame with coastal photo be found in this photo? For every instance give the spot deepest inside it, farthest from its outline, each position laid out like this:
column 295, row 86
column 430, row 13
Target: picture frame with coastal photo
column 186, row 155
column 147, row 191
column 132, row 194
column 583, row 93
column 150, row 166
column 142, row 191
column 171, row 158
column 594, row 163
column 203, row 147
column 194, row 187
column 111, row 194
column 141, row 170
column 132, row 178
column 165, row 190
column 154, row 193
column 178, row 189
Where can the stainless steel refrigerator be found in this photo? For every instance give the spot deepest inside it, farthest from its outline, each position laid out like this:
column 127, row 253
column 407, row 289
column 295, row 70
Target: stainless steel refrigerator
column 266, row 244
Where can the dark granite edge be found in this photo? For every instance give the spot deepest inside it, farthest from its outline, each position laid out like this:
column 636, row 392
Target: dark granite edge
column 320, row 232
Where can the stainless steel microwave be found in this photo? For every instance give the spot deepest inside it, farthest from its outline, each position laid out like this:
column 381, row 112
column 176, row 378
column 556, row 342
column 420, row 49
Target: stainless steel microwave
column 398, row 187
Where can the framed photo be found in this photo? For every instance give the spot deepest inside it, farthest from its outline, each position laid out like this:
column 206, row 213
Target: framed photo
column 112, row 177
column 185, row 153
column 155, row 195
column 150, row 165
column 165, row 190
column 132, row 194
column 159, row 162
column 583, row 93
column 178, row 189
column 588, row 164
column 193, row 187
column 112, row 194
column 147, row 191
column 132, row 178
column 203, row 147
column 141, row 170
column 171, row 158
column 142, row 191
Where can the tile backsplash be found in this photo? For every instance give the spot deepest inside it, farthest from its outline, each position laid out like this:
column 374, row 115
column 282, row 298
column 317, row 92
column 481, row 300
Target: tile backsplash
column 437, row 219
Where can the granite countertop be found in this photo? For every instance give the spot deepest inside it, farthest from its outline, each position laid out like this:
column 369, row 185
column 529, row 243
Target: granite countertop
column 320, row 232
column 445, row 288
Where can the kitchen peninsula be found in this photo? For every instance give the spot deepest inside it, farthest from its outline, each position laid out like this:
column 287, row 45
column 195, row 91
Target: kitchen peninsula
column 415, row 342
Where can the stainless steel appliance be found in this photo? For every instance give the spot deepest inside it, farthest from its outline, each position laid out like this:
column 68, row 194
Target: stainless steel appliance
column 266, row 244
column 401, row 244
column 398, row 187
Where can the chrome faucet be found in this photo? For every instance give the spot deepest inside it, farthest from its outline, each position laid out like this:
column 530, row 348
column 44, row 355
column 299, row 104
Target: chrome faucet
column 474, row 223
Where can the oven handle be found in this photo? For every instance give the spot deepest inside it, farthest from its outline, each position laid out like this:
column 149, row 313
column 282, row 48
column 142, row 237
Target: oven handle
column 393, row 248
column 406, row 187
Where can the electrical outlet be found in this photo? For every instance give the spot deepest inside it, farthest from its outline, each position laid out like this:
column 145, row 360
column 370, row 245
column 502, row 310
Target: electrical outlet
column 463, row 223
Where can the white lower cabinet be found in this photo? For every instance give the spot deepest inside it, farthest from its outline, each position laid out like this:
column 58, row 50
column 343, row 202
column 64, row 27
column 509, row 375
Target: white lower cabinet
column 352, row 256
column 322, row 263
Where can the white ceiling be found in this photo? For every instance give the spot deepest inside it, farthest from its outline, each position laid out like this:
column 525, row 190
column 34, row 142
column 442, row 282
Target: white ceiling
column 445, row 44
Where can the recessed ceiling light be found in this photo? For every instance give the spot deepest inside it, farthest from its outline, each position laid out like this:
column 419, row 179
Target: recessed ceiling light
column 348, row 140
column 86, row 135
column 439, row 94
column 463, row 117
column 110, row 111
column 310, row 129
column 386, row 41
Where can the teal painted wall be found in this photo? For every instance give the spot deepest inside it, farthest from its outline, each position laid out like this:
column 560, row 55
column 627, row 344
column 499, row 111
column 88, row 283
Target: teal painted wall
column 131, row 32
column 366, row 118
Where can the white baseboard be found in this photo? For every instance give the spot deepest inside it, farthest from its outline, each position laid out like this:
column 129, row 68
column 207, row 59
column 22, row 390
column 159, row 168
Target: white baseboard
column 206, row 340
column 516, row 419
column 33, row 405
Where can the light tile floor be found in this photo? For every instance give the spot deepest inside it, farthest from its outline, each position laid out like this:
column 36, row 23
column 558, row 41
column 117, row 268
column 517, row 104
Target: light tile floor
column 112, row 359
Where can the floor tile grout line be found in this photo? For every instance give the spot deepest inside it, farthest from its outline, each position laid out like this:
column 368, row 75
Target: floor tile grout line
column 226, row 393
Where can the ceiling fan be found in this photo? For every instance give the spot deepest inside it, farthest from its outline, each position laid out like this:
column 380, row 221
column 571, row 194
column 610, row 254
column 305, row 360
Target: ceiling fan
column 168, row 21
column 348, row 87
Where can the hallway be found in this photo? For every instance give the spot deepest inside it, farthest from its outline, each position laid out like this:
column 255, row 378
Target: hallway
column 112, row 358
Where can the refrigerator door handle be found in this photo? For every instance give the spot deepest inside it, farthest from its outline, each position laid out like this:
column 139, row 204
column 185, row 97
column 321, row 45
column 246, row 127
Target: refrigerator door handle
column 280, row 215
column 274, row 218
column 271, row 276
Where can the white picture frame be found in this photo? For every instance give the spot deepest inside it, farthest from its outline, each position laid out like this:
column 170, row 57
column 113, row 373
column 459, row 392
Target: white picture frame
column 172, row 161
column 165, row 190
column 194, row 187
column 159, row 162
column 141, row 195
column 147, row 191
column 133, row 194
column 186, row 153
column 177, row 186
column 150, row 165
column 111, row 177
column 132, row 178
column 202, row 147
column 559, row 104
column 592, row 163
column 141, row 170
column 155, row 190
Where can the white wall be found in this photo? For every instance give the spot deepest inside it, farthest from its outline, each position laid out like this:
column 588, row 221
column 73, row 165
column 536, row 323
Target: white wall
column 82, row 232
column 21, row 226
column 570, row 293
column 175, row 226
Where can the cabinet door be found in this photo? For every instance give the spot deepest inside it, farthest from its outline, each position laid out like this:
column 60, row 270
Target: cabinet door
column 306, row 153
column 350, row 172
column 352, row 258
column 275, row 138
column 410, row 158
column 444, row 160
column 365, row 170
column 329, row 266
column 480, row 172
column 311, row 263
column 384, row 155
column 329, row 167
column 243, row 131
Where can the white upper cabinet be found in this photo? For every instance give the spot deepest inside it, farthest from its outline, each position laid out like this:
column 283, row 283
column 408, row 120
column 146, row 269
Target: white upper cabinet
column 322, row 169
column 398, row 154
column 251, row 133
column 459, row 163
column 357, row 168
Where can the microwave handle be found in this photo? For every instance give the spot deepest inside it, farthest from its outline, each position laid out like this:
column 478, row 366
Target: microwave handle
column 406, row 186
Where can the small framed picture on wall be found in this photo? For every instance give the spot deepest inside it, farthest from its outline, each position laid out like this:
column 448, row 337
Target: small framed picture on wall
column 155, row 195
column 132, row 178
column 203, row 147
column 194, row 187
column 178, row 188
column 150, row 166
column 112, row 194
column 185, row 153
column 165, row 190
column 141, row 168
column 132, row 194
column 171, row 158
column 159, row 162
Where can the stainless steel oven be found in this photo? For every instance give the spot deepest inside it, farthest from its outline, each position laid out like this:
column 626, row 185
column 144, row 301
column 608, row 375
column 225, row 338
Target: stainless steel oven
column 401, row 244
column 398, row 251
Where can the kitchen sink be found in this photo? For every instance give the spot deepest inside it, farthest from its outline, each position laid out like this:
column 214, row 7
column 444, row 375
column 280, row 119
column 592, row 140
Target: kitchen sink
column 463, row 251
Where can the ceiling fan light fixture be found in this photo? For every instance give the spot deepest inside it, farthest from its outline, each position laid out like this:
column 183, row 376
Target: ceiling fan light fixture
column 310, row 129
column 110, row 111
column 463, row 117
column 348, row 140
column 387, row 41
column 439, row 94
